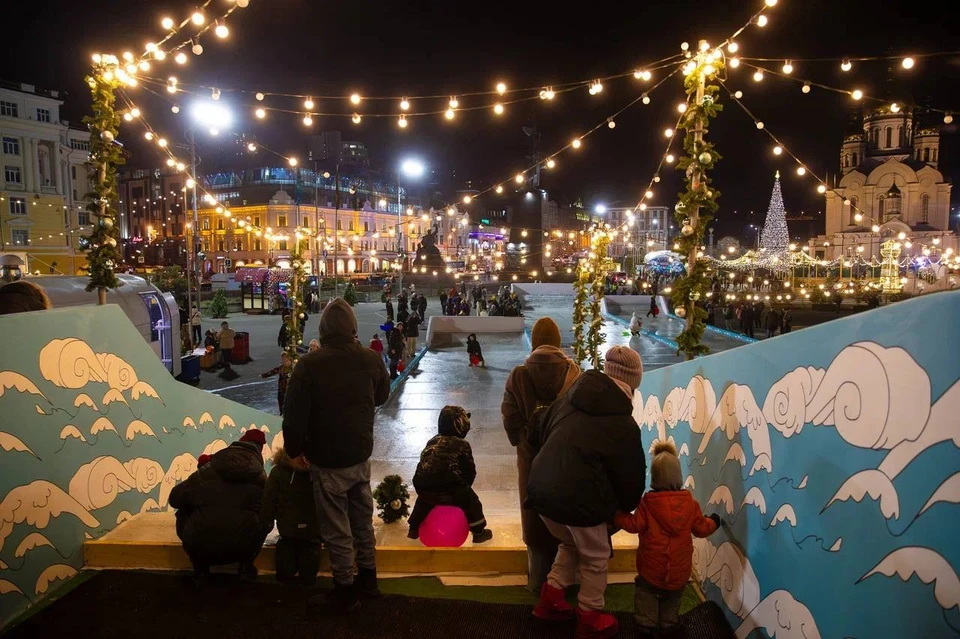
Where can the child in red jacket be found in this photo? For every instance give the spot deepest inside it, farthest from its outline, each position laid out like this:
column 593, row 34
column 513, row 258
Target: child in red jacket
column 664, row 519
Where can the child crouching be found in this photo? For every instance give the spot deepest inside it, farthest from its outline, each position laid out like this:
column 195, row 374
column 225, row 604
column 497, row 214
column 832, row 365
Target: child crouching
column 445, row 475
column 288, row 499
column 664, row 519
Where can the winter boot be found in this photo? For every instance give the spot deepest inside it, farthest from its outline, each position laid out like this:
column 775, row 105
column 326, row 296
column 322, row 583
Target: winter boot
column 366, row 583
column 482, row 535
column 595, row 624
column 552, row 605
column 343, row 598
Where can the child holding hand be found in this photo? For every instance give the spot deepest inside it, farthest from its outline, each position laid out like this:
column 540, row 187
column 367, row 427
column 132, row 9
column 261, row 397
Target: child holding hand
column 665, row 519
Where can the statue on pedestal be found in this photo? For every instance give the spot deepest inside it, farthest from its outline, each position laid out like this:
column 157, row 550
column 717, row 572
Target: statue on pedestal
column 427, row 253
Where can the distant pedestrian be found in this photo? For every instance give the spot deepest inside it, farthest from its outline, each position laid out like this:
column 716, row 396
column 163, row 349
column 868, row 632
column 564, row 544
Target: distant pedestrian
column 225, row 339
column 422, row 306
column 635, row 325
column 195, row 326
column 475, row 351
column 396, row 342
column 772, row 322
column 786, row 323
column 389, row 309
column 377, row 347
column 412, row 333
column 653, row 306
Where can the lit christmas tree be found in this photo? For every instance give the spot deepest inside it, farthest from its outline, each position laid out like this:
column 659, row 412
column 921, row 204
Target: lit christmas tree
column 775, row 237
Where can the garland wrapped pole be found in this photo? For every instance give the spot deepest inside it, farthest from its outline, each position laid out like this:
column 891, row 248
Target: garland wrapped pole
column 699, row 199
column 580, row 311
column 589, row 286
column 294, row 336
column 102, row 244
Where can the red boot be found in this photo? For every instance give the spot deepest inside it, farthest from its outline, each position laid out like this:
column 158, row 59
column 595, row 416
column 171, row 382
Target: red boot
column 552, row 606
column 595, row 624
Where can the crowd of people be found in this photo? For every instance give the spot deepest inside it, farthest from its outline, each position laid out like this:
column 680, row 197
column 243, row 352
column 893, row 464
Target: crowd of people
column 477, row 301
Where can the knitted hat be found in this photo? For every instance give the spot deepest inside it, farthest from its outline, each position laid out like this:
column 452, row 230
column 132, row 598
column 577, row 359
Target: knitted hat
column 202, row 460
column 255, row 436
column 545, row 332
column 665, row 470
column 623, row 363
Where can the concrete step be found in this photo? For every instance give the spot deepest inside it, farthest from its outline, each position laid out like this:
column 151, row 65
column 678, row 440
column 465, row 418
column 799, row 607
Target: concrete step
column 149, row 541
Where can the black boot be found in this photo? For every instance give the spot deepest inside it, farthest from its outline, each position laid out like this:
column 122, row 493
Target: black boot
column 343, row 598
column 366, row 583
column 482, row 535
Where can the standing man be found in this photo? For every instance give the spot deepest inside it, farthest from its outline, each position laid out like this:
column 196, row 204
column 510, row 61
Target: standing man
column 389, row 309
column 328, row 416
column 413, row 332
column 197, row 332
column 225, row 339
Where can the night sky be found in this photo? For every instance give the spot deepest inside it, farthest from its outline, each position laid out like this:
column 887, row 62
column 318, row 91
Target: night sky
column 410, row 48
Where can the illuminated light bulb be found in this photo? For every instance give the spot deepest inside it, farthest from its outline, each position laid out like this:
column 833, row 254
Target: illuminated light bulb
column 261, row 113
column 670, row 158
column 215, row 93
column 519, row 178
column 454, row 103
column 734, row 62
column 251, row 147
column 684, row 46
column 402, row 122
column 197, row 48
column 758, row 76
column 611, row 123
column 821, row 189
column 788, row 67
column 191, row 183
column 198, row 18
column 171, row 88
column 307, row 120
column 551, row 163
column 243, row 3
column 135, row 112
column 175, row 108
column 501, row 88
column 180, row 58
column 171, row 162
column 643, row 206
column 144, row 66
column 907, row 63
column 846, row 65
column 499, row 189
column 308, row 104
column 648, row 194
column 498, row 108
column 704, row 45
column 857, row 217
column 355, row 98
column 549, row 94
column 292, row 161
column 668, row 133
column 162, row 142
column 760, row 125
column 449, row 114
column 356, row 118
column 127, row 56
column 167, row 23
column 689, row 68
column 127, row 117
column 857, row 94
column 709, row 69
column 404, row 104
column 151, row 47
column 148, row 135
column 97, row 58
column 806, row 87
column 467, row 199
column 645, row 99
column 762, row 21
column 733, row 47
column 801, row 171
column 894, row 108
column 948, row 117
column 159, row 54
column 771, row 3
column 682, row 107
column 222, row 31
column 777, row 150
column 738, row 94
column 596, row 88
column 576, row 143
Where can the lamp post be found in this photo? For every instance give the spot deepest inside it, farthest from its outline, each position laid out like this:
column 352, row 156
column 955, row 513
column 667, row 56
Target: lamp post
column 412, row 168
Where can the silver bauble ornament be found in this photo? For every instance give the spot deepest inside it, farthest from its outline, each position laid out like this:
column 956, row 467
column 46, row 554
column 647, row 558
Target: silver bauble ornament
column 705, row 158
column 395, row 504
column 107, row 136
column 686, row 230
column 680, row 311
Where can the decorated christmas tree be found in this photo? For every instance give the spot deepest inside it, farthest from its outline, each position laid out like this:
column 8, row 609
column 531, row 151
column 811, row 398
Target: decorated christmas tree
column 775, row 237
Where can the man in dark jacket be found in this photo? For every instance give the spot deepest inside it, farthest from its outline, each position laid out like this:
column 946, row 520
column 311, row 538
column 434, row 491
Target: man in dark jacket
column 590, row 463
column 328, row 415
column 412, row 327
column 772, row 322
column 396, row 343
column 218, row 507
column 422, row 306
column 445, row 475
column 389, row 309
column 288, row 500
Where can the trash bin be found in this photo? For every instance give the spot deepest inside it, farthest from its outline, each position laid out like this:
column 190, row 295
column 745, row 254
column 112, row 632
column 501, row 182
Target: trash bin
column 190, row 369
column 241, row 348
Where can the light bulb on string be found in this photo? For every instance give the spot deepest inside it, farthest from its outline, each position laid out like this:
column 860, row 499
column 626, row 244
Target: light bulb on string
column 215, row 93
column 171, row 162
column 762, row 21
column 198, row 18
column 778, row 150
column 127, row 56
column 159, row 54
column 948, row 117
column 684, row 46
column 404, row 104
column 894, row 108
column 645, row 98
column 857, row 94
column 771, row 3
column 611, row 123
column 760, row 125
column 356, row 118
column 499, row 189
column 806, row 87
column 734, row 62
column 148, row 135
column 670, row 158
column 402, row 122
column 308, row 104
column 454, row 103
column 151, row 47
column 821, row 189
column 259, row 97
column 501, row 88
column 175, row 108
column 907, row 63
column 260, row 113
column 180, row 58
column 128, row 117
column 576, row 143
column 292, row 161
column 519, row 178
column 355, row 98
column 167, row 23
column 143, row 66
column 758, row 76
column 682, row 107
column 668, row 133
column 788, row 67
column 222, row 31
column 251, row 147
column 197, row 48
column 801, row 171
column 733, row 47
column 307, row 120
column 162, row 142
column 846, row 65
column 551, row 163
column 738, row 94
column 449, row 114
column 498, row 108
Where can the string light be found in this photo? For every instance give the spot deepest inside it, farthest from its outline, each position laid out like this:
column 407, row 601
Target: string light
column 907, row 63
column 261, row 113
column 180, row 58
column 760, row 125
column 846, row 65
column 611, row 123
column 498, row 189
column 501, row 88
column 449, row 114
column 221, row 31
column 821, row 189
column 498, row 108
column 307, row 120
column 519, row 178
column 734, row 62
column 197, row 48
column 758, row 76
column 806, row 87
column 402, row 122
column 857, row 94
column 596, row 87
column 733, row 47
column 645, row 98
column 668, row 133
column 356, row 118
column 251, row 147
column 467, row 199
column 355, row 98
column 801, row 171
column 576, row 143
column 894, row 108
column 292, row 161
column 175, row 108
column 454, row 103
column 308, row 104
column 762, row 20
column 198, row 18
column 948, row 117
column 404, row 104
column 167, row 23
column 551, row 163
column 778, row 150
column 682, row 107
column 788, row 67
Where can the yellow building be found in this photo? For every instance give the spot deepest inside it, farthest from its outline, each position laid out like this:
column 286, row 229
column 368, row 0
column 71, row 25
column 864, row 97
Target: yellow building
column 43, row 183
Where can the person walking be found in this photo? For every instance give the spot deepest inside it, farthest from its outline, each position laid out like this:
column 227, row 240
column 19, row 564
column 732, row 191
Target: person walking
column 328, row 416
column 589, row 462
column 653, row 306
column 422, row 306
column 225, row 339
column 195, row 326
column 531, row 388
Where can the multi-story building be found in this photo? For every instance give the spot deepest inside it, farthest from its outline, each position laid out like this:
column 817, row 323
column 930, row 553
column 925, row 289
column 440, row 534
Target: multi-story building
column 44, row 182
column 649, row 232
column 154, row 209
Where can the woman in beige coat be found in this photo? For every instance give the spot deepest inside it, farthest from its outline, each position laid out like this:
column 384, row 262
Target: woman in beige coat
column 532, row 386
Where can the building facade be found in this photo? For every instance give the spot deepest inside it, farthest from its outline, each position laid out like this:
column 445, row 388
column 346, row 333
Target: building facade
column 43, row 203
column 890, row 186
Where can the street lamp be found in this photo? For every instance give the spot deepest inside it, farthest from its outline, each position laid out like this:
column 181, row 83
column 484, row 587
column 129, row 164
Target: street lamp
column 214, row 117
column 411, row 168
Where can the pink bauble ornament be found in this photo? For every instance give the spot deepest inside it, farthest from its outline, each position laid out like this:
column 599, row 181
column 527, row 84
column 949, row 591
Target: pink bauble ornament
column 444, row 527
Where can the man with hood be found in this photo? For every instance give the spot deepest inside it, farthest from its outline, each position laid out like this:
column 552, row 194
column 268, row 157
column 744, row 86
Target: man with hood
column 590, row 463
column 218, row 507
column 532, row 387
column 328, row 416
column 446, row 473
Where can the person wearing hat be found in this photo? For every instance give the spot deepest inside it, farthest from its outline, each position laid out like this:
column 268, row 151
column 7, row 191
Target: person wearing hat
column 446, row 473
column 530, row 389
column 21, row 297
column 328, row 416
column 218, row 507
column 589, row 463
column 665, row 519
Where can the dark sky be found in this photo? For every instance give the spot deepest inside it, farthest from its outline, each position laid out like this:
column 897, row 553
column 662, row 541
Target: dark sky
column 404, row 47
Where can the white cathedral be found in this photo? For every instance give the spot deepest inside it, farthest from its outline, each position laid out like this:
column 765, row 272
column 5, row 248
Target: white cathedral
column 889, row 174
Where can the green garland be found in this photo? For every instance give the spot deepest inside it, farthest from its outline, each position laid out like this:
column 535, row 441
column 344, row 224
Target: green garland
column 599, row 267
column 103, row 243
column 580, row 313
column 699, row 159
column 297, row 263
column 392, row 496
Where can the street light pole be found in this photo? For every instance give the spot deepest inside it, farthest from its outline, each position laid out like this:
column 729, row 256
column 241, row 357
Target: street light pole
column 399, row 238
column 196, row 215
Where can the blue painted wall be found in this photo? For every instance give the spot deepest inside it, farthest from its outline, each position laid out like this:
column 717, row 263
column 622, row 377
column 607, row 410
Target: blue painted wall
column 832, row 454
column 93, row 430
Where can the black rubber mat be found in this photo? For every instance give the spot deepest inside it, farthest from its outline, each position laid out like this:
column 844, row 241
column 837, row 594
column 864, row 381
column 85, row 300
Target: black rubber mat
column 162, row 606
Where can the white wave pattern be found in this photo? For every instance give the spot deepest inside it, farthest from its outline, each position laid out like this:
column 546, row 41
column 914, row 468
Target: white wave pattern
column 684, row 450
column 84, row 400
column 784, row 513
column 72, row 431
column 948, row 492
column 653, row 417
column 762, row 462
column 227, row 422
column 731, row 571
column 137, row 427
column 735, row 452
column 16, row 381
column 754, row 497
column 722, row 496
column 143, row 389
column 874, row 484
column 10, row 442
column 35, row 504
column 214, row 447
column 690, row 483
column 56, row 572
column 31, row 541
column 928, row 565
column 698, row 404
column 738, row 409
column 782, row 617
